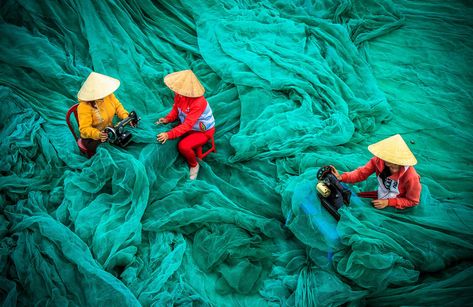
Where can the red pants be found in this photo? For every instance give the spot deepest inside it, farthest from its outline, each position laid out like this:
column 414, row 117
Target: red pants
column 190, row 141
column 370, row 194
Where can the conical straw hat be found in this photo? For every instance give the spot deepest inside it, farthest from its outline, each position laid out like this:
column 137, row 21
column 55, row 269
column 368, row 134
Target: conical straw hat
column 393, row 150
column 97, row 86
column 184, row 83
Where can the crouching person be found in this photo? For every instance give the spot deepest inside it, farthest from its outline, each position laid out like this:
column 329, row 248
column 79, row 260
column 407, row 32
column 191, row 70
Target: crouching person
column 393, row 162
column 197, row 124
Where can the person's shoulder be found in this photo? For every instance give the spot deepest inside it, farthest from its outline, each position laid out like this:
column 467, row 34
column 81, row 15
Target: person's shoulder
column 412, row 170
column 200, row 101
column 83, row 106
column 111, row 98
column 377, row 161
column 411, row 173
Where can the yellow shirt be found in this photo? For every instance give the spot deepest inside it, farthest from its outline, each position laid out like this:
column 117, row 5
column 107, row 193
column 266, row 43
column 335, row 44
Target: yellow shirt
column 92, row 121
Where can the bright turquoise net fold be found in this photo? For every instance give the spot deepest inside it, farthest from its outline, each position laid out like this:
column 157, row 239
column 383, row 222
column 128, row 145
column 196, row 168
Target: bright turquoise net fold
column 293, row 85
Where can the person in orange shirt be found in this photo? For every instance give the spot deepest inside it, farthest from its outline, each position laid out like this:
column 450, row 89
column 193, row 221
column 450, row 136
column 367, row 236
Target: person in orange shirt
column 393, row 162
column 193, row 111
column 97, row 108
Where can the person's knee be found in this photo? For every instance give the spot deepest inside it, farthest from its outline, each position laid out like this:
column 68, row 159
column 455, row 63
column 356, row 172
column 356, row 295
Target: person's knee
column 183, row 147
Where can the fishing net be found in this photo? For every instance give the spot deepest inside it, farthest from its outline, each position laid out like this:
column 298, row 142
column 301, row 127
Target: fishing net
column 293, row 85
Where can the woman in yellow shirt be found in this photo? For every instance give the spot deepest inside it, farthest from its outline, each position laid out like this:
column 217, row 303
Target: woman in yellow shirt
column 97, row 107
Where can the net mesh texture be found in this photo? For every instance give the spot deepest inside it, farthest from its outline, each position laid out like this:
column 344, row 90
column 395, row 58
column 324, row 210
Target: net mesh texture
column 293, row 85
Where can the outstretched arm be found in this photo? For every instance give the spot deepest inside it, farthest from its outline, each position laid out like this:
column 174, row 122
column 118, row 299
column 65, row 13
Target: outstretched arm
column 360, row 173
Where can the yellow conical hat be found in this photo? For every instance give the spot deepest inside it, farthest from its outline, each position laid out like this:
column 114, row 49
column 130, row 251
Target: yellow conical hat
column 97, row 86
column 184, row 83
column 393, row 150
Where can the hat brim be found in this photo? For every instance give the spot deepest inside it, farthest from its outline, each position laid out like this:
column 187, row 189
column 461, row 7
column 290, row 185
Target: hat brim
column 97, row 86
column 393, row 150
column 184, row 83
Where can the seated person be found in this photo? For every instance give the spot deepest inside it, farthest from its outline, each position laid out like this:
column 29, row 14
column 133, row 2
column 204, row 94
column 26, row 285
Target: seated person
column 399, row 183
column 193, row 111
column 97, row 107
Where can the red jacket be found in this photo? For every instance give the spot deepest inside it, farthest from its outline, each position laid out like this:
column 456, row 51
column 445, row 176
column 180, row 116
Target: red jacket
column 194, row 114
column 402, row 189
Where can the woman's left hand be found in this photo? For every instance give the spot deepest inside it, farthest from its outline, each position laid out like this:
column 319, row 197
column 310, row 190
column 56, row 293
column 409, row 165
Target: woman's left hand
column 162, row 137
column 335, row 172
column 380, row 203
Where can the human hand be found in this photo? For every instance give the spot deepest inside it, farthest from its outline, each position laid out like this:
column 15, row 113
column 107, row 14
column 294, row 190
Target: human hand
column 335, row 172
column 162, row 120
column 162, row 137
column 380, row 203
column 103, row 136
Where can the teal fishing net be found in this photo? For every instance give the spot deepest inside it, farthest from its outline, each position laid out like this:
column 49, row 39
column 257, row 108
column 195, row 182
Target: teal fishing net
column 294, row 85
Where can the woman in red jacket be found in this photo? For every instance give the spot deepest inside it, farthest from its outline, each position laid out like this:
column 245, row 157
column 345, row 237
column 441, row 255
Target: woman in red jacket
column 399, row 183
column 197, row 122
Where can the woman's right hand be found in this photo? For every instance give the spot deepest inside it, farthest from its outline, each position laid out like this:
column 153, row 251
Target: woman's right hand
column 103, row 136
column 335, row 172
column 162, row 120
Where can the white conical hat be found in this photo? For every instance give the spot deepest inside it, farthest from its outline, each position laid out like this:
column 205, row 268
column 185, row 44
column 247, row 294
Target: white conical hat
column 393, row 150
column 97, row 86
column 184, row 83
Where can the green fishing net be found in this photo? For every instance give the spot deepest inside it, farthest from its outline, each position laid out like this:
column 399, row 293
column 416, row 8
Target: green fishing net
column 294, row 85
